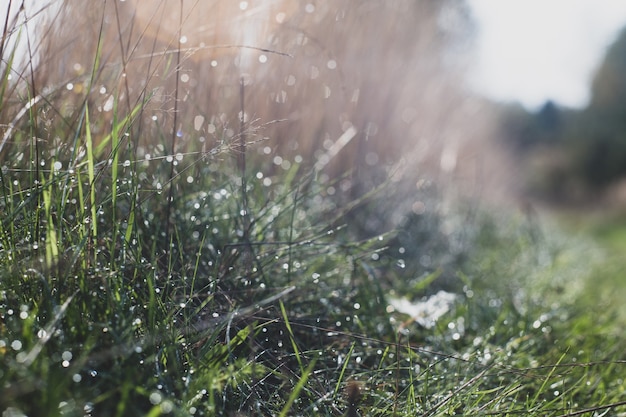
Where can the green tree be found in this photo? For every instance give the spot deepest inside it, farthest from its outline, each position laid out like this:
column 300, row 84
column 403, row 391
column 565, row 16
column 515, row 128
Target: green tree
column 598, row 134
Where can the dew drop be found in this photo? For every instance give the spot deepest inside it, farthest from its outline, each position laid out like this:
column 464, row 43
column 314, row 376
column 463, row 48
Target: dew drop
column 156, row 398
column 108, row 104
column 197, row 122
column 315, row 72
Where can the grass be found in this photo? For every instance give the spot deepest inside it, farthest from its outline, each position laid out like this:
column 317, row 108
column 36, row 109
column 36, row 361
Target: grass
column 136, row 285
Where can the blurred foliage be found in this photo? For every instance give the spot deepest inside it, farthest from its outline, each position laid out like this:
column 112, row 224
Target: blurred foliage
column 576, row 154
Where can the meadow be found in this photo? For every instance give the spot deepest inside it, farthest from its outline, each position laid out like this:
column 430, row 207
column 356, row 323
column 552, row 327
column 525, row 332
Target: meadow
column 152, row 263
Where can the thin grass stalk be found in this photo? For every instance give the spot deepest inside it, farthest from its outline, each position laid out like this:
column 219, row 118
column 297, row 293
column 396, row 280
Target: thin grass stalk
column 296, row 391
column 291, row 229
column 396, row 394
column 9, row 62
column 342, row 373
column 115, row 143
column 170, row 197
column 126, row 121
column 51, row 243
column 546, row 380
column 241, row 161
column 91, row 174
column 136, row 114
column 292, row 339
column 123, row 54
column 5, row 32
column 249, row 252
column 33, row 135
column 83, row 230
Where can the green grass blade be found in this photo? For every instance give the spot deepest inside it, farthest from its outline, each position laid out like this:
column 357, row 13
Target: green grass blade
column 291, row 335
column 340, row 379
column 296, row 390
column 51, row 242
column 91, row 173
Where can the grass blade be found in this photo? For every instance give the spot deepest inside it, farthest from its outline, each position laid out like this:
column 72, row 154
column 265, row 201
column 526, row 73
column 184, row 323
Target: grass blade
column 296, row 390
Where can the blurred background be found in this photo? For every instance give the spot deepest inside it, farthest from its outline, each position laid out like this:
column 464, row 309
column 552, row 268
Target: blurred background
column 510, row 102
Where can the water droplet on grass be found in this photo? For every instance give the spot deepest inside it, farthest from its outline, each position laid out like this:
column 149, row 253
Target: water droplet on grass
column 156, row 398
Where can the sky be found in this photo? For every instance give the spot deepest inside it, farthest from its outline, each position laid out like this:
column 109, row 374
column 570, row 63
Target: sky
column 531, row 51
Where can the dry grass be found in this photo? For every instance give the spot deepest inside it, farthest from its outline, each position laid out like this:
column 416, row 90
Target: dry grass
column 384, row 68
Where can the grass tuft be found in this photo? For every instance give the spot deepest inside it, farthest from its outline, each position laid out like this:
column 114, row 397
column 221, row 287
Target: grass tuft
column 154, row 281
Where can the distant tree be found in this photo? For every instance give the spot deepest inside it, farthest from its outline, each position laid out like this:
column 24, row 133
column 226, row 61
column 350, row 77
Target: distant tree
column 598, row 136
column 549, row 118
column 525, row 129
column 608, row 89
